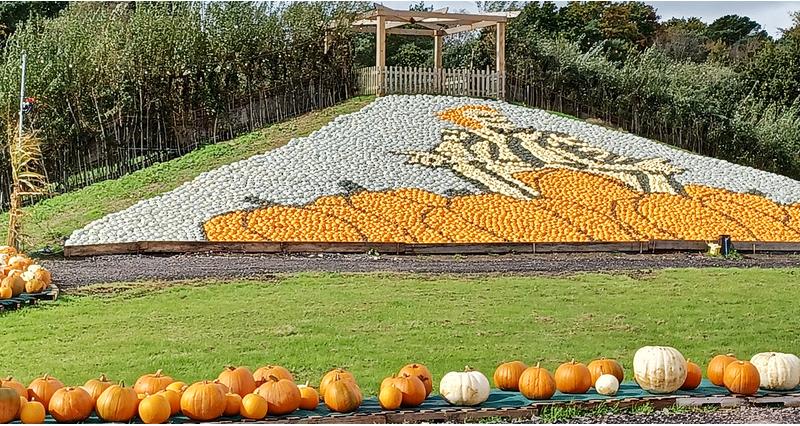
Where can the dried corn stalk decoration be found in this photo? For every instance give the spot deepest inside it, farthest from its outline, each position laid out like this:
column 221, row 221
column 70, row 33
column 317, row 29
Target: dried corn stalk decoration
column 28, row 177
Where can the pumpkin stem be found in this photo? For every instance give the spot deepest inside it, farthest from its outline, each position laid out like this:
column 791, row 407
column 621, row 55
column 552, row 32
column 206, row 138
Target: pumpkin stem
column 230, row 367
column 103, row 378
column 273, row 378
column 122, row 383
column 573, row 361
column 537, row 364
column 467, row 368
column 730, row 355
column 158, row 373
column 306, row 383
column 45, row 377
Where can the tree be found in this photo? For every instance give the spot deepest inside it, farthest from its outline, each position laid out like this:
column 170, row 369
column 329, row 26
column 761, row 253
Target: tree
column 731, row 29
column 683, row 39
column 14, row 13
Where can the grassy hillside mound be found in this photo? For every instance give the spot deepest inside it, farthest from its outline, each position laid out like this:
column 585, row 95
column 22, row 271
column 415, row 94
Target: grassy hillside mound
column 438, row 169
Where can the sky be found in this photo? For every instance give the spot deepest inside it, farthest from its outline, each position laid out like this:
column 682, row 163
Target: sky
column 772, row 15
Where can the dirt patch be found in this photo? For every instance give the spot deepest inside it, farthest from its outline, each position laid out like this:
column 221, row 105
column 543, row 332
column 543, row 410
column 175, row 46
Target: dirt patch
column 70, row 274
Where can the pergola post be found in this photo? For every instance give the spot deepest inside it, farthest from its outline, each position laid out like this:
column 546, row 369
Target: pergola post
column 501, row 60
column 438, row 44
column 380, row 55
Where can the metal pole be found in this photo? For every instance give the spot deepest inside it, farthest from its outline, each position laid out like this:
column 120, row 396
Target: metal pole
column 22, row 94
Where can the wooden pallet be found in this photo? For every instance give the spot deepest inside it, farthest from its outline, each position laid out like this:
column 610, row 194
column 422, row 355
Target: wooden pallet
column 652, row 246
column 28, row 299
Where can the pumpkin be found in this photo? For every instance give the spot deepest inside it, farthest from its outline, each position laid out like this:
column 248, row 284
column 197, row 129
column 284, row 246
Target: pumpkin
column 659, row 369
column 309, row 398
column 716, row 368
column 95, row 387
column 422, row 374
column 506, row 375
column 174, row 399
column 154, row 409
column 32, row 284
column 203, row 401
column 177, row 387
column 282, row 395
column 233, row 404
column 342, row 394
column 254, row 407
column 8, row 250
column 778, row 371
column 19, row 262
column 15, row 282
column 537, row 383
column 32, row 412
column 9, row 404
column 152, row 383
column 694, row 375
column 43, row 388
column 602, row 366
column 741, row 377
column 42, row 274
column 239, row 380
column 261, row 375
column 5, row 292
column 607, row 384
column 469, row 387
column 390, row 397
column 10, row 382
column 330, row 376
column 71, row 405
column 573, row 377
column 117, row 403
column 410, row 386
column 22, row 402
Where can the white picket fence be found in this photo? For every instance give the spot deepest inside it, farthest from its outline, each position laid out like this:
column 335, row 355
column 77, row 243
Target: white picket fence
column 441, row 81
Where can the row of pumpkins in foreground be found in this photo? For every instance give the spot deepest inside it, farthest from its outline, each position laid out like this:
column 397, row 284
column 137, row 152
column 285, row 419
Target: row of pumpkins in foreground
column 20, row 274
column 272, row 389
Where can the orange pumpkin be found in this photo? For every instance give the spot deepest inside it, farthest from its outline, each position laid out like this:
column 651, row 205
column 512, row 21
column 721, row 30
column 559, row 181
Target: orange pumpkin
column 309, row 398
column 410, row 386
column 152, row 383
column 174, row 399
column 154, row 409
column 32, row 412
column 573, row 377
column 203, row 401
column 282, row 395
column 261, row 375
column 95, row 387
column 390, row 397
column 239, row 380
column 71, row 405
column 9, row 404
column 10, row 382
column 43, row 388
column 506, row 375
column 117, row 403
column 422, row 373
column 694, row 375
column 602, row 366
column 342, row 395
column 254, row 407
column 233, row 404
column 741, row 377
column 22, row 402
column 330, row 376
column 716, row 368
column 537, row 383
column 15, row 282
column 177, row 387
column 5, row 292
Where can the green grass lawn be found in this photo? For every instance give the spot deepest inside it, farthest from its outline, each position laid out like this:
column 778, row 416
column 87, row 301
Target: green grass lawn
column 374, row 324
column 51, row 221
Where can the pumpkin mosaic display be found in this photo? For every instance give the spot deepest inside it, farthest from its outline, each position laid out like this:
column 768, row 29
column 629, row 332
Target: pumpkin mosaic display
column 442, row 170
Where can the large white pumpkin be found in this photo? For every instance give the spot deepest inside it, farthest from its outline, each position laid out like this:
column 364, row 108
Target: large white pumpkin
column 778, row 371
column 469, row 387
column 607, row 384
column 659, row 369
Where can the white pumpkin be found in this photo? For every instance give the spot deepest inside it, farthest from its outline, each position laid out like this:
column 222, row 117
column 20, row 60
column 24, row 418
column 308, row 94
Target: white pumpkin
column 659, row 369
column 607, row 384
column 778, row 371
column 469, row 387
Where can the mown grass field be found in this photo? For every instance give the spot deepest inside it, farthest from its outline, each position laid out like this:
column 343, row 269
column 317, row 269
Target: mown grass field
column 50, row 222
column 374, row 324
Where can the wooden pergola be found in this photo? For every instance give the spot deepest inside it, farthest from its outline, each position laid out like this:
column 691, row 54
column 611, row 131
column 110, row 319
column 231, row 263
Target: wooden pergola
column 437, row 24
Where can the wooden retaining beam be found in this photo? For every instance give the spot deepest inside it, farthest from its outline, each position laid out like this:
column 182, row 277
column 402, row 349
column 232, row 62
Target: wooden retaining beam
column 652, row 246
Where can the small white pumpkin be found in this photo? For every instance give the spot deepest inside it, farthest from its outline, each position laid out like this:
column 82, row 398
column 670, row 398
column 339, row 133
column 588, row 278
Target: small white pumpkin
column 778, row 371
column 607, row 384
column 469, row 387
column 659, row 369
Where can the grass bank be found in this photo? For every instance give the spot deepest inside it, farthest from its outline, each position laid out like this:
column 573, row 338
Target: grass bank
column 51, row 221
column 373, row 324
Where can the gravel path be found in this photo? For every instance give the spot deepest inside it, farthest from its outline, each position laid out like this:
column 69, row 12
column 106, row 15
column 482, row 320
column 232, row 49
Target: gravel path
column 733, row 415
column 75, row 273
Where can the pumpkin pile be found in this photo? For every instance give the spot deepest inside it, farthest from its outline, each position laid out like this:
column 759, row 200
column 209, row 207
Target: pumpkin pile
column 20, row 274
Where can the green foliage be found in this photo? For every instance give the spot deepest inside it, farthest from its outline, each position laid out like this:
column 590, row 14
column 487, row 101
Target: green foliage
column 12, row 13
